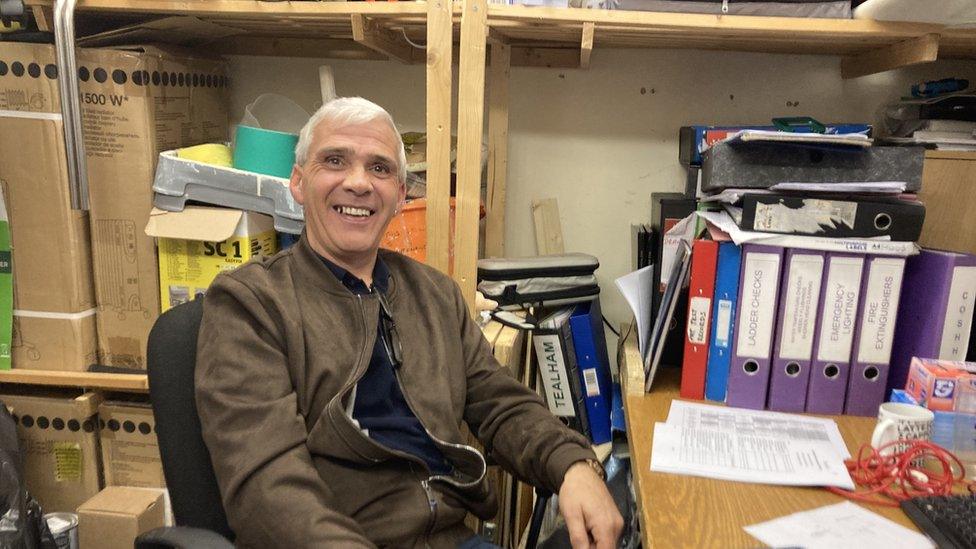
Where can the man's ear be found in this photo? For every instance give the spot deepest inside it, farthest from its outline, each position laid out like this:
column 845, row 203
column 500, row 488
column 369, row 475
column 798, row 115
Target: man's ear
column 401, row 196
column 295, row 184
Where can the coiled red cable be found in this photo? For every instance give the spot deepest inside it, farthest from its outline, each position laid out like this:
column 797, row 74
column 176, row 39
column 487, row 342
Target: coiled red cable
column 920, row 469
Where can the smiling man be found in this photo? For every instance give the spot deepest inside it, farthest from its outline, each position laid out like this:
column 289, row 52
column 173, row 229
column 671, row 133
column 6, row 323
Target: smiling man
column 333, row 378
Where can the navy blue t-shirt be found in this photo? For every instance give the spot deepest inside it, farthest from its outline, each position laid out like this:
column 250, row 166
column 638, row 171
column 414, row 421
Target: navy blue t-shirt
column 379, row 407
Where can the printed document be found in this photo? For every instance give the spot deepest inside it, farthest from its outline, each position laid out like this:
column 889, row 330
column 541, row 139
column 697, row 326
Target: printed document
column 750, row 446
column 840, row 525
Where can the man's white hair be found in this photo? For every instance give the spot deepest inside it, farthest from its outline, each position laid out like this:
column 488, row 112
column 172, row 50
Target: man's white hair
column 344, row 111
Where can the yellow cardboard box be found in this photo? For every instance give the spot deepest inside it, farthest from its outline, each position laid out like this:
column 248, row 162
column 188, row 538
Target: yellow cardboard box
column 199, row 243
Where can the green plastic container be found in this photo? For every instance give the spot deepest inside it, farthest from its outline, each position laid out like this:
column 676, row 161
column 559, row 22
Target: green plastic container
column 264, row 151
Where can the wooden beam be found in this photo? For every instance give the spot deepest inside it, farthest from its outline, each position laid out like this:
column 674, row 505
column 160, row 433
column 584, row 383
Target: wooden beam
column 548, row 231
column 293, row 47
column 471, row 115
column 586, row 45
column 553, row 58
column 138, row 383
column 910, row 52
column 44, row 17
column 368, row 33
column 439, row 75
column 497, row 37
column 501, row 59
column 246, row 8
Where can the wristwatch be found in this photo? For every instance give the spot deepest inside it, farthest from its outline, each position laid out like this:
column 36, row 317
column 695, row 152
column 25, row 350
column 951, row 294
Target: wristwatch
column 597, row 468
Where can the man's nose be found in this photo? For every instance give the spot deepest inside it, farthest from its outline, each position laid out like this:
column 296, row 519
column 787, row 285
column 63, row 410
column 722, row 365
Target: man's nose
column 358, row 180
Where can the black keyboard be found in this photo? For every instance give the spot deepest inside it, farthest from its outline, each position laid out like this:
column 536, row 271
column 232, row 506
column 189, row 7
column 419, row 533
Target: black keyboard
column 949, row 520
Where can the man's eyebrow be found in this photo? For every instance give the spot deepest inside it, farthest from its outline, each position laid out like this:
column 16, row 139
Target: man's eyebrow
column 381, row 158
column 344, row 151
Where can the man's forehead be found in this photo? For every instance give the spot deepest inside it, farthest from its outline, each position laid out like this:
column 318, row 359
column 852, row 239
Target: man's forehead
column 354, row 132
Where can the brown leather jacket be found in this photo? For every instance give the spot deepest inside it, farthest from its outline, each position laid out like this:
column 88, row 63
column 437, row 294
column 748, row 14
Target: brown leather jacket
column 281, row 346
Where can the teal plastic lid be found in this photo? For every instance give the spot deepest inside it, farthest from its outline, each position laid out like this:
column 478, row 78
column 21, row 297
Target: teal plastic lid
column 264, row 151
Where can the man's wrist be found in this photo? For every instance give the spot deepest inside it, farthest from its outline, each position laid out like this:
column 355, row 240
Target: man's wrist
column 594, row 466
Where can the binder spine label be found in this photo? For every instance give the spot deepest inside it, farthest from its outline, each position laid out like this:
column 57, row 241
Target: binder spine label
column 959, row 314
column 758, row 306
column 880, row 309
column 840, row 308
column 813, row 217
column 555, row 380
column 802, row 295
column 723, row 323
column 590, row 381
column 698, row 312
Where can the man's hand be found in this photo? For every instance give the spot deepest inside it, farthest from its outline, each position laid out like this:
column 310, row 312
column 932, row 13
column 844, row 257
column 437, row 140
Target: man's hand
column 591, row 515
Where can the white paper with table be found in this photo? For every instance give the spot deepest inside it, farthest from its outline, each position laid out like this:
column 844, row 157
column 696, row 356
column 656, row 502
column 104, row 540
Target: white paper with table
column 839, row 525
column 750, row 446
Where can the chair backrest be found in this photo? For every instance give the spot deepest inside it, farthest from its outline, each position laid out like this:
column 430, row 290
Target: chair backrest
column 172, row 357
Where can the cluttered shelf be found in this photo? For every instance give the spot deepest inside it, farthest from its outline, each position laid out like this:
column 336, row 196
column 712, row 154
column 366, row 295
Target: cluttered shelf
column 679, row 510
column 355, row 30
column 138, row 383
column 877, row 44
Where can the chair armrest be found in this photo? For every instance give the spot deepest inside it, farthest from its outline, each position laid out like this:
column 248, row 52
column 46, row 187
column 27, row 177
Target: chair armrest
column 181, row 537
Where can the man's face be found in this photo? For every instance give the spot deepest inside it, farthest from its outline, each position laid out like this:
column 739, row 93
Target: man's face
column 349, row 188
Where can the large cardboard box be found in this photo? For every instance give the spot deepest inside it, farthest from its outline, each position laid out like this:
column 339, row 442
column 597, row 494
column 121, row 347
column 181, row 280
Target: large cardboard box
column 130, row 451
column 114, row 517
column 199, row 243
column 57, row 436
column 54, row 341
column 50, row 241
column 136, row 102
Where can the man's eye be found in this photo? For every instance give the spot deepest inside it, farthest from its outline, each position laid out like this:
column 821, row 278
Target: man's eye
column 333, row 160
column 382, row 169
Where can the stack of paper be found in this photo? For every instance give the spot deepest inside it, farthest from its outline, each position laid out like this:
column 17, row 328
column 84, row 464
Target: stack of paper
column 750, row 446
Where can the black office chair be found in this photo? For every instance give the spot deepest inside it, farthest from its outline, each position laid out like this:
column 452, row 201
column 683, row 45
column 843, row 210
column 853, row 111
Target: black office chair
column 197, row 508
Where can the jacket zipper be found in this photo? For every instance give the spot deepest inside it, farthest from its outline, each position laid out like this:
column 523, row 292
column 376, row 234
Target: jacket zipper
column 432, row 505
column 471, row 449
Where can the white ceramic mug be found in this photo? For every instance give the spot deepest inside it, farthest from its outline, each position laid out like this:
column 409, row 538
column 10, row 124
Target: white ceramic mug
column 899, row 421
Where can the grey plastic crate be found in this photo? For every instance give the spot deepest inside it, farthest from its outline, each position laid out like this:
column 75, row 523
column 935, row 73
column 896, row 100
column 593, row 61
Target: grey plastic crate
column 179, row 180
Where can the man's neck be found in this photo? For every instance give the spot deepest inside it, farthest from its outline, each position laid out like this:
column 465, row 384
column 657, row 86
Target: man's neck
column 360, row 267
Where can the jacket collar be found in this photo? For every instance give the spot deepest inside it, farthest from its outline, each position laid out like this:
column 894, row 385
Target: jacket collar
column 315, row 272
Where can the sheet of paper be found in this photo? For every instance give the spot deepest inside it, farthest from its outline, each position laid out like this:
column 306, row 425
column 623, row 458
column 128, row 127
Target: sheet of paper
column 693, row 415
column 747, row 457
column 870, row 187
column 840, row 525
column 637, row 288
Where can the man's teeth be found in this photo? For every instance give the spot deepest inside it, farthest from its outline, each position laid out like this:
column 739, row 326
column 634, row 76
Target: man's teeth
column 358, row 212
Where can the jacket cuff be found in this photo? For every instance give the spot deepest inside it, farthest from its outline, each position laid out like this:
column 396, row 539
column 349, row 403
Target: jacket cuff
column 560, row 461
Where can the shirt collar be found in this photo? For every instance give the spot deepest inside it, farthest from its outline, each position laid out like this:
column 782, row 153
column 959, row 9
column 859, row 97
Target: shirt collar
column 381, row 276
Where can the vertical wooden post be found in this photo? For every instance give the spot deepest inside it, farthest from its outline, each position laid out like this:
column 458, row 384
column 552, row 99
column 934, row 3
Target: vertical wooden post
column 471, row 113
column 501, row 60
column 440, row 35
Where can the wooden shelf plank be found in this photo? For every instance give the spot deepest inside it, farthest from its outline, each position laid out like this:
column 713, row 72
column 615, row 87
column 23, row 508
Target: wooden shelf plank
column 247, row 8
column 910, row 52
column 119, row 382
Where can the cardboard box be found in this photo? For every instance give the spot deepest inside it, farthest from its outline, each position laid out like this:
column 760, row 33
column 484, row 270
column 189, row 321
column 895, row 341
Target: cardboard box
column 114, row 517
column 51, row 243
column 54, row 341
column 935, row 383
column 130, row 451
column 199, row 243
column 136, row 102
column 57, row 435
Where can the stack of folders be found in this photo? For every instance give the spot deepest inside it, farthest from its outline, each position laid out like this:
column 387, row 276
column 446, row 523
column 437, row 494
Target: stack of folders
column 825, row 300
column 574, row 366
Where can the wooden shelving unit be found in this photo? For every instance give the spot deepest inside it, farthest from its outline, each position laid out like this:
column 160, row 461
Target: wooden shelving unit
column 565, row 38
column 136, row 383
column 516, row 36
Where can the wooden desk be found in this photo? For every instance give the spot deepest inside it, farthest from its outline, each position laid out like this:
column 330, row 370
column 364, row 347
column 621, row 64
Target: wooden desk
column 685, row 511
